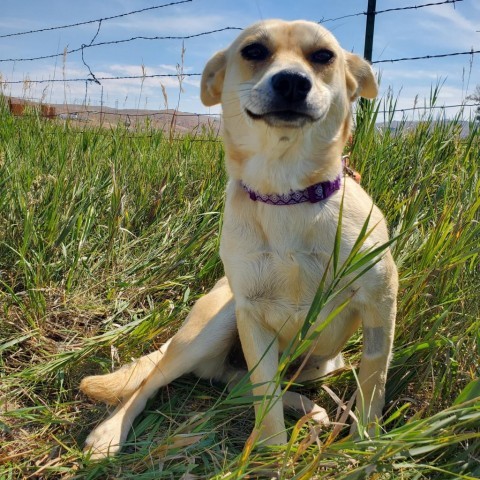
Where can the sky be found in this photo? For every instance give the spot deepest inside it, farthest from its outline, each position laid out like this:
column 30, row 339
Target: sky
column 424, row 31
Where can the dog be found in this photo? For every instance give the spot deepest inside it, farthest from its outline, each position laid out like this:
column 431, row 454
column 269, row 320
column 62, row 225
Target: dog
column 286, row 90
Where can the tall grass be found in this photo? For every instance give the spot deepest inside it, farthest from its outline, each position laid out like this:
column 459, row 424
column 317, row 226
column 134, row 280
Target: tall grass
column 108, row 236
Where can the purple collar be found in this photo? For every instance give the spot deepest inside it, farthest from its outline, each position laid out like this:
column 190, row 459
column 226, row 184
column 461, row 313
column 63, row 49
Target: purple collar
column 313, row 194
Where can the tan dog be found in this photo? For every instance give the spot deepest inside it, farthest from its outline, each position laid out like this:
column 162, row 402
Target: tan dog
column 286, row 90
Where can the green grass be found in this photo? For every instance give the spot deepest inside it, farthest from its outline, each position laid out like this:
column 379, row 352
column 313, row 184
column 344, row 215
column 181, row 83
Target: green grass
column 107, row 237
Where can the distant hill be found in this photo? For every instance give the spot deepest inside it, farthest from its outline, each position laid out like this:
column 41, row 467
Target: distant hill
column 94, row 115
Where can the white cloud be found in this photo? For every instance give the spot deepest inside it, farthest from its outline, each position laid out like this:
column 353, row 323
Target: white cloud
column 454, row 17
column 447, row 26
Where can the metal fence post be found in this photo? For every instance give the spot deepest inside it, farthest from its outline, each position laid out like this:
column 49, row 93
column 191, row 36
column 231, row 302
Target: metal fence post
column 367, row 52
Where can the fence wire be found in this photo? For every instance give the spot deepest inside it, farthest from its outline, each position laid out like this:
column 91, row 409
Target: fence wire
column 181, row 75
column 388, row 10
column 97, row 20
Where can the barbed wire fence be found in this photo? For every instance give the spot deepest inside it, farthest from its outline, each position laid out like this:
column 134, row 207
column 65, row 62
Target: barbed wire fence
column 91, row 78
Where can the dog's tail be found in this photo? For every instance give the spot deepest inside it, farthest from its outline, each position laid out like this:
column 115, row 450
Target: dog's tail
column 112, row 388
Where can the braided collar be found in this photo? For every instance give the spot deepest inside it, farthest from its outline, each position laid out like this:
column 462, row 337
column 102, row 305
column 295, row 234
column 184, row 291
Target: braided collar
column 313, row 193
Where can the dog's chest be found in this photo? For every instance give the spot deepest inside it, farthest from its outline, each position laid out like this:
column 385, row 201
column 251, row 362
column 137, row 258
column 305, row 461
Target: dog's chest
column 276, row 259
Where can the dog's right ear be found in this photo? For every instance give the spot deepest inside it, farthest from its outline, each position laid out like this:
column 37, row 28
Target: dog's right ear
column 212, row 79
column 361, row 81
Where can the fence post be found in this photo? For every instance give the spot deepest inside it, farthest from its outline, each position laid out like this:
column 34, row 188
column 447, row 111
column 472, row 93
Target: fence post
column 363, row 104
column 368, row 48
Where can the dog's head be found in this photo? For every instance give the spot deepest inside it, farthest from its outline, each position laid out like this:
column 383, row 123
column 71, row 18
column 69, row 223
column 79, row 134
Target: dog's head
column 286, row 74
column 286, row 80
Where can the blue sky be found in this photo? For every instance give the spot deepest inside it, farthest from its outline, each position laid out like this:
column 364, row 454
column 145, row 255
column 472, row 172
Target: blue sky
column 425, row 31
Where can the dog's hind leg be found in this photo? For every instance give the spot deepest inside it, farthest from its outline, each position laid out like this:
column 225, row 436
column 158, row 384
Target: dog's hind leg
column 200, row 346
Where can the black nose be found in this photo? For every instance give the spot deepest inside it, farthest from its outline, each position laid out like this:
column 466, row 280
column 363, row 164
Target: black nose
column 292, row 86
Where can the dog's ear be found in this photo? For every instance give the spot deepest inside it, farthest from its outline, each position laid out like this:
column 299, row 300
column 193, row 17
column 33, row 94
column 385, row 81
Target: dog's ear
column 361, row 81
column 212, row 79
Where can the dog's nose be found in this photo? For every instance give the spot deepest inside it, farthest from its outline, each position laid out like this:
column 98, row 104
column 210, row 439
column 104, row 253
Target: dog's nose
column 292, row 86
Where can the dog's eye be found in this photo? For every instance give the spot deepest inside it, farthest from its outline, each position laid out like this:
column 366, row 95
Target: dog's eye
column 255, row 51
column 322, row 56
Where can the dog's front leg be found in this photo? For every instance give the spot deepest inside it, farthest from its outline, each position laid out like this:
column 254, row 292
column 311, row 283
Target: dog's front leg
column 260, row 347
column 378, row 330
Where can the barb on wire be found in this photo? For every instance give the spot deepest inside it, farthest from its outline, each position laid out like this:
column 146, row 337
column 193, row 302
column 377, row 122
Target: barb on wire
column 47, row 29
column 114, row 42
column 426, row 57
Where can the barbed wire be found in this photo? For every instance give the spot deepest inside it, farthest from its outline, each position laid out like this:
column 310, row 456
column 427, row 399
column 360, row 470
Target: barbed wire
column 426, row 57
column 48, row 29
column 122, row 77
column 431, row 107
column 387, row 10
column 116, row 42
column 123, row 113
column 137, row 135
column 414, row 7
column 176, row 75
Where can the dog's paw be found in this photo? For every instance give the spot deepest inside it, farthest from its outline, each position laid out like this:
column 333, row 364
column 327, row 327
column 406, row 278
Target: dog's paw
column 105, row 440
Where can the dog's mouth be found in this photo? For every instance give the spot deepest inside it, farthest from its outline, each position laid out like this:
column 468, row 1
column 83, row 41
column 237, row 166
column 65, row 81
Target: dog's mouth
column 282, row 118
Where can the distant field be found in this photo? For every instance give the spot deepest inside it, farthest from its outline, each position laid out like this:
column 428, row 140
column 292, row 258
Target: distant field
column 107, row 237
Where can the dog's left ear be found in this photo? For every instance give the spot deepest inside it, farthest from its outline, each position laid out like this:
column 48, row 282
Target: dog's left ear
column 213, row 75
column 361, row 81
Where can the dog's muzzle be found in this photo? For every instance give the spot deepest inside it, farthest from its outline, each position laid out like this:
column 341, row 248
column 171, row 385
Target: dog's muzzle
column 287, row 102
